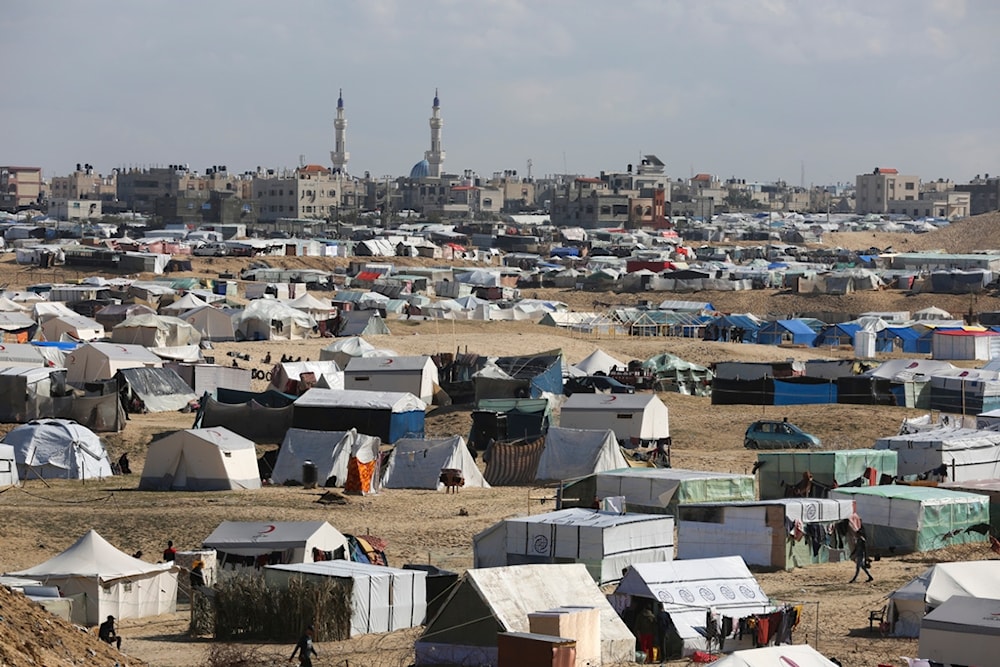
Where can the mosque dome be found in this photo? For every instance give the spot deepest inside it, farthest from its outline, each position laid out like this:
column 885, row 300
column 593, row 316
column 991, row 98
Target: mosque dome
column 421, row 169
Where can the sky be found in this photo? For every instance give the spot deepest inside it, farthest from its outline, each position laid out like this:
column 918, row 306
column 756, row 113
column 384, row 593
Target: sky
column 809, row 92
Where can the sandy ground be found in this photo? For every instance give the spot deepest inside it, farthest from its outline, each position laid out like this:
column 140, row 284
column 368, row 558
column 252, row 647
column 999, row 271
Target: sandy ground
column 42, row 519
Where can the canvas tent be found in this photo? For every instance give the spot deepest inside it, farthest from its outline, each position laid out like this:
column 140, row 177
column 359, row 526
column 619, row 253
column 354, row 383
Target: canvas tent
column 416, row 463
column 571, row 452
column 361, row 323
column 26, row 354
column 636, row 419
column 286, row 376
column 776, row 471
column 269, row 319
column 155, row 331
column 657, row 490
column 917, row 518
column 8, row 466
column 597, row 362
column 757, row 531
column 417, row 375
column 214, row 324
column 725, row 585
column 490, row 601
column 58, row 449
column 241, row 544
column 388, row 415
column 605, row 542
column 962, row 454
column 155, row 389
column 342, row 351
column 962, row 631
column 786, row 655
column 200, row 459
column 100, row 361
column 909, row 603
column 28, row 393
column 342, row 458
column 189, row 301
column 76, row 327
column 382, row 599
column 110, row 581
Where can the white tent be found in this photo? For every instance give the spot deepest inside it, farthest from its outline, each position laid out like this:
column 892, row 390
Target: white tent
column 606, row 542
column 342, row 351
column 686, row 589
column 571, row 452
column 492, row 600
column 111, row 582
column 966, row 454
column 909, row 603
column 598, row 362
column 636, row 419
column 269, row 319
column 417, row 463
column 200, row 459
column 331, row 452
column 288, row 541
column 43, row 311
column 383, row 599
column 8, row 466
column 417, row 375
column 307, row 303
column 962, row 631
column 188, row 302
column 800, row 655
column 25, row 354
column 155, row 331
column 76, row 327
column 58, row 449
column 100, row 361
column 285, row 376
column 212, row 323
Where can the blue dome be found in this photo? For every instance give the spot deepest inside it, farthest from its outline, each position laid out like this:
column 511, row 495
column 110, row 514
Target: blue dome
column 421, row 169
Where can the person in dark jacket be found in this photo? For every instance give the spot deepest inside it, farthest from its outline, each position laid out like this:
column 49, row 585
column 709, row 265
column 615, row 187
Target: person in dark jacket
column 107, row 633
column 860, row 555
column 304, row 647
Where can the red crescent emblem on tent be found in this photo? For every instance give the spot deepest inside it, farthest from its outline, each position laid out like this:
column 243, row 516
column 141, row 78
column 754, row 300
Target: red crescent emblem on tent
column 123, row 348
column 3, row 347
column 788, row 661
column 269, row 529
column 610, row 399
column 387, row 362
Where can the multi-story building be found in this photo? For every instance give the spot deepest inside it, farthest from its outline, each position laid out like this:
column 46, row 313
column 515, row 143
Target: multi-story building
column 874, row 191
column 311, row 191
column 75, row 209
column 984, row 194
column 84, row 184
column 949, row 205
column 20, row 187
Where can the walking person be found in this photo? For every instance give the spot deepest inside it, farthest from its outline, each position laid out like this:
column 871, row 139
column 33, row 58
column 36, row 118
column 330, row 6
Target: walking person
column 304, row 647
column 860, row 555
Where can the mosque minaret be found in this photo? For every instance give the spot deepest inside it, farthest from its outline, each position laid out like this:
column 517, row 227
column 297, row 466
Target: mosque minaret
column 339, row 156
column 435, row 156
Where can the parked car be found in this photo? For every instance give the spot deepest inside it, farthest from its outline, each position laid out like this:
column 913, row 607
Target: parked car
column 765, row 434
column 211, row 250
column 596, row 384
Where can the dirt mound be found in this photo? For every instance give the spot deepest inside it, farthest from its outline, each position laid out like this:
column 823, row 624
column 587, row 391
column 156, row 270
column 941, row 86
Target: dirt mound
column 31, row 636
column 975, row 234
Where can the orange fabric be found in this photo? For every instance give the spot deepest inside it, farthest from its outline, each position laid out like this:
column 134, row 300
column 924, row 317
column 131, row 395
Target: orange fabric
column 359, row 476
column 22, row 337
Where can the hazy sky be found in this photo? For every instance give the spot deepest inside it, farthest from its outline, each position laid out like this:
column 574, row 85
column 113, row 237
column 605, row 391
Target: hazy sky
column 748, row 88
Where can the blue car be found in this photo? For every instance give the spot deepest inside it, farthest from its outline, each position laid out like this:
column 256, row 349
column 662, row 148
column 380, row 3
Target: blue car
column 766, row 434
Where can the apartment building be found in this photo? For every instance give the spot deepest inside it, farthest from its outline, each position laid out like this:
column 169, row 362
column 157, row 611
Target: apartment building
column 984, row 194
column 84, row 184
column 874, row 191
column 310, row 191
column 20, row 187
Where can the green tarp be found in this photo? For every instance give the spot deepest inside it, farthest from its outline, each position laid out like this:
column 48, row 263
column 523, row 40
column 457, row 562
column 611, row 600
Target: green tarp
column 829, row 468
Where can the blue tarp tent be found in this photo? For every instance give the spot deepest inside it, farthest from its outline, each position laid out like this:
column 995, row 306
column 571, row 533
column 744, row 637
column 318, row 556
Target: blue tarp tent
column 749, row 325
column 804, row 391
column 389, row 415
column 795, row 332
column 835, row 335
column 902, row 339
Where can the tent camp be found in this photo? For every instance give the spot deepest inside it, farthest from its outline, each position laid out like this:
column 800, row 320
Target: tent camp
column 214, row 324
column 100, row 361
column 241, row 544
column 382, row 599
column 361, row 323
column 917, row 518
column 657, row 490
column 416, row 463
column 58, row 449
column 342, row 458
column 520, row 377
column 490, row 601
column 776, row 471
column 417, row 375
column 786, row 655
column 389, row 415
column 597, row 362
column 571, row 452
column 986, row 487
column 909, row 603
column 269, row 319
column 153, row 390
column 961, row 454
column 962, row 631
column 637, row 419
column 687, row 589
column 108, row 581
column 28, row 393
column 263, row 418
column 8, row 466
column 342, row 351
column 286, row 376
column 25, row 354
column 189, row 301
column 200, row 459
column 115, row 313
column 155, row 331
column 74, row 327
column 757, row 531
column 605, row 542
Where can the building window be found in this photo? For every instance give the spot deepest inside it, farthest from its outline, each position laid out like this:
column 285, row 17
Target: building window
column 909, row 185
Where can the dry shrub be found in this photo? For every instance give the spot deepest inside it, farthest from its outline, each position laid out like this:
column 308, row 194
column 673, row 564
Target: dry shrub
column 245, row 607
column 237, row 655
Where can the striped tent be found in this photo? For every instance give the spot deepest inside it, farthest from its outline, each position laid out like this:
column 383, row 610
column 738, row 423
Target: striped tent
column 513, row 463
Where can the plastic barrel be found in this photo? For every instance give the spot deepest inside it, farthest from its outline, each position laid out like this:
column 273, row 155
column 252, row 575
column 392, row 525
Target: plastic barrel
column 309, row 474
